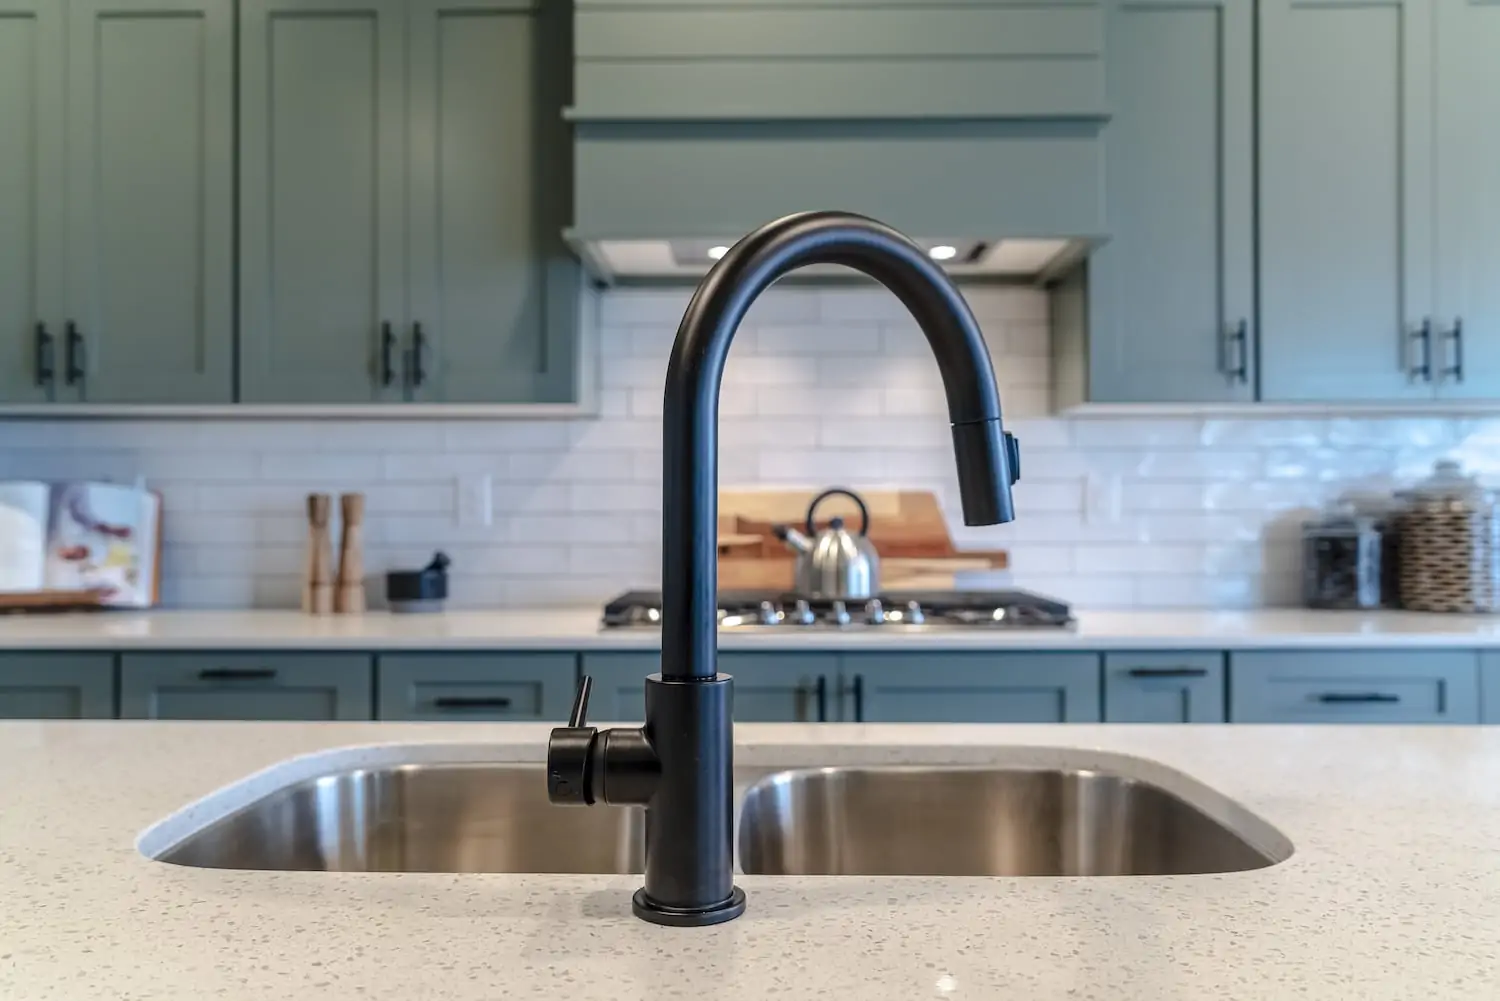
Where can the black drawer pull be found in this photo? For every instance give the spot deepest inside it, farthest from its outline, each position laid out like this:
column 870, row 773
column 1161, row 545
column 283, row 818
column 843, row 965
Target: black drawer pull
column 822, row 699
column 1344, row 698
column 471, row 702
column 237, row 674
column 1168, row 672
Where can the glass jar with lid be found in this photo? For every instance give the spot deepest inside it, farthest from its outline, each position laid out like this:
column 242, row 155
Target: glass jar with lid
column 1341, row 560
column 1450, row 544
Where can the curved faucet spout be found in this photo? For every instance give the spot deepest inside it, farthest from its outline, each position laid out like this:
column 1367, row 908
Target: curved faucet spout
column 986, row 455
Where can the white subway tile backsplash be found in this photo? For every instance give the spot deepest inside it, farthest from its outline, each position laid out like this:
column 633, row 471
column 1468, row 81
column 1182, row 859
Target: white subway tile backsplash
column 321, row 467
column 823, row 386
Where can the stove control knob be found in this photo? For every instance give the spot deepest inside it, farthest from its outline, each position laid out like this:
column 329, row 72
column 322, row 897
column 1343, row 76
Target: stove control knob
column 874, row 612
column 768, row 614
column 802, row 613
column 914, row 614
column 839, row 613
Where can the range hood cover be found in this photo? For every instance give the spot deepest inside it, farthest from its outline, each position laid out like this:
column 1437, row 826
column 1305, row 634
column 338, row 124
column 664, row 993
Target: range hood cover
column 1011, row 198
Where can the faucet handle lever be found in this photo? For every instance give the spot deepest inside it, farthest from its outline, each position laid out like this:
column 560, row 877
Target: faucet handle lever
column 570, row 754
column 578, row 717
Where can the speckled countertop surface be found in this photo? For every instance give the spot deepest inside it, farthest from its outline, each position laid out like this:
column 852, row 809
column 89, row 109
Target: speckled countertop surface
column 1393, row 892
column 578, row 629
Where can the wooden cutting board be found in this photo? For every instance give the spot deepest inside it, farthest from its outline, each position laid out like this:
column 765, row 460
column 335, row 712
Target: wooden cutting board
column 907, row 529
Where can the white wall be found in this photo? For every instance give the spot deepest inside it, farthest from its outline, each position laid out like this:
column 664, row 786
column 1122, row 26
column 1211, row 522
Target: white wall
column 823, row 387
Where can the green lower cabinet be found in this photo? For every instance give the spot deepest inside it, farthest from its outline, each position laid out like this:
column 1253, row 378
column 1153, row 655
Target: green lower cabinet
column 768, row 688
column 57, row 686
column 273, row 686
column 1355, row 686
column 1163, row 687
column 1489, row 687
column 481, row 686
column 971, row 688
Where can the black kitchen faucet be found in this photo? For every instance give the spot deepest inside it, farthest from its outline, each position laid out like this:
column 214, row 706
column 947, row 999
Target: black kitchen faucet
column 679, row 765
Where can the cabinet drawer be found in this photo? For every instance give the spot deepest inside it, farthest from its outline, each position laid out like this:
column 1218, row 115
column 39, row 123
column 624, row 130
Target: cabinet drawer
column 245, row 686
column 57, row 686
column 1386, row 686
column 439, row 686
column 768, row 688
column 971, row 688
column 1163, row 687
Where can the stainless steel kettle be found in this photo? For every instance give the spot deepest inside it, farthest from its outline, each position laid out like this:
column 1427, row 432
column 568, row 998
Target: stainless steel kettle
column 834, row 563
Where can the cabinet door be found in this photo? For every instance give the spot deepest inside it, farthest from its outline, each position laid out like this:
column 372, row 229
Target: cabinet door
column 245, row 686
column 493, row 294
column 1164, row 687
column 1489, row 687
column 1345, row 198
column 1468, row 164
column 31, row 197
column 1172, row 289
column 1356, row 686
column 322, row 86
column 972, row 688
column 151, row 200
column 56, row 685
column 768, row 688
column 442, row 686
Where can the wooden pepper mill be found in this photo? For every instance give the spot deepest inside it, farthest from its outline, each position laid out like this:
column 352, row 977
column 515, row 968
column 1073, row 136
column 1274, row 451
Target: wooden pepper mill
column 317, row 584
column 349, row 595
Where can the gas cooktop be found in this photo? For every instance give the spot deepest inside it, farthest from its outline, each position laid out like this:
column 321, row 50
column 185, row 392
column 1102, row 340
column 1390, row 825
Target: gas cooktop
column 1002, row 609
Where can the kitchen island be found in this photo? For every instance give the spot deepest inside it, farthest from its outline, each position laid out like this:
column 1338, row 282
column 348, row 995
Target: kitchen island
column 1393, row 889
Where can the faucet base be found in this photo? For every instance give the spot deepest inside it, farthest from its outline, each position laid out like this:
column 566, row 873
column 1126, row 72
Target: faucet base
column 687, row 917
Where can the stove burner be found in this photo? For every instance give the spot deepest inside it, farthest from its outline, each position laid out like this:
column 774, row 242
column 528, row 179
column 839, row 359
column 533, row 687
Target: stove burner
column 1003, row 609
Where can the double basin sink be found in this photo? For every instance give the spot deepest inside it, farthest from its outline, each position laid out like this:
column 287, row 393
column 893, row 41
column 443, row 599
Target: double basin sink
column 873, row 821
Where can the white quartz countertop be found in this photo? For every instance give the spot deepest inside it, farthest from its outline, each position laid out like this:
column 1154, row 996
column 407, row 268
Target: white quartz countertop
column 1393, row 891
column 578, row 629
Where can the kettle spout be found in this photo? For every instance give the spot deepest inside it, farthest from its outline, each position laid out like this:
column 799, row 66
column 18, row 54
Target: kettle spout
column 795, row 540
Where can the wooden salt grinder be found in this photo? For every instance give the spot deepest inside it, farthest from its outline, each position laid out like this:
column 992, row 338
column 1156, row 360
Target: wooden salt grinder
column 350, row 594
column 317, row 583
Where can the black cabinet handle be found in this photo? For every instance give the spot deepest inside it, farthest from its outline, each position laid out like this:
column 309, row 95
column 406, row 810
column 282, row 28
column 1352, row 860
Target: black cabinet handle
column 857, row 689
column 1456, row 335
column 471, row 702
column 822, row 690
column 1423, row 334
column 418, row 355
column 387, row 355
column 1168, row 672
column 76, row 358
column 237, row 674
column 46, row 359
column 1239, row 343
column 1344, row 698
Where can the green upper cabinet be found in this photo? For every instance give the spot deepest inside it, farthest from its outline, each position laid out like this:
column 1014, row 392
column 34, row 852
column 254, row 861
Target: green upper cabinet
column 1467, row 325
column 1346, row 213
column 31, row 197
column 150, row 201
column 322, row 266
column 116, row 201
column 493, row 290
column 1171, row 311
column 398, row 242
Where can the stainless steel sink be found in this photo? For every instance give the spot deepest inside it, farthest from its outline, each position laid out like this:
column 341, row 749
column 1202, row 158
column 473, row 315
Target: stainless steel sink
column 418, row 818
column 923, row 821
column 914, row 820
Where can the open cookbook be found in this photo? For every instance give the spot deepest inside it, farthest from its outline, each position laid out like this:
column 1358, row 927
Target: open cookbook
column 82, row 543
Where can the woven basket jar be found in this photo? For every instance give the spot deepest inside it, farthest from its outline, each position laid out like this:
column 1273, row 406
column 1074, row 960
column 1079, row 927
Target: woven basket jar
column 1450, row 545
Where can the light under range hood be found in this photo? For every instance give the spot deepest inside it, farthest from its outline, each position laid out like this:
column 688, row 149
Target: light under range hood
column 668, row 259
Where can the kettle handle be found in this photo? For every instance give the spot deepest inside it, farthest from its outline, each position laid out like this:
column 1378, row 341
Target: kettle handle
column 864, row 512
